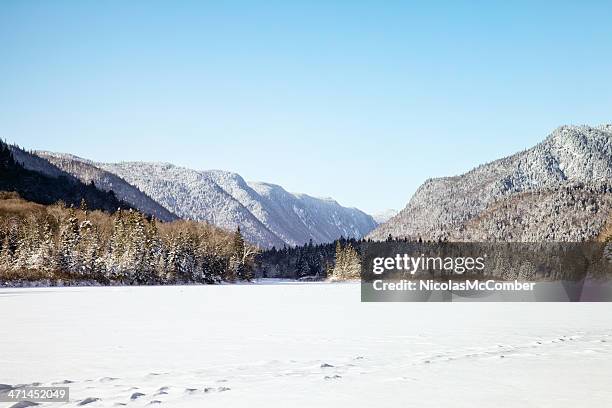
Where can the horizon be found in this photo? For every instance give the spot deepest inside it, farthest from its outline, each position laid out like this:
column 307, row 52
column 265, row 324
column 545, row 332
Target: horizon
column 353, row 102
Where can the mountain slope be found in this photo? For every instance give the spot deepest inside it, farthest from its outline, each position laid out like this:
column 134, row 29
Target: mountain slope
column 300, row 217
column 87, row 172
column 37, row 180
column 191, row 194
column 573, row 158
column 267, row 214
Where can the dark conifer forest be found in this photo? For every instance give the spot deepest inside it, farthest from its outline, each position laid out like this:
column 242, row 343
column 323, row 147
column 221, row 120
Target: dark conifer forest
column 40, row 188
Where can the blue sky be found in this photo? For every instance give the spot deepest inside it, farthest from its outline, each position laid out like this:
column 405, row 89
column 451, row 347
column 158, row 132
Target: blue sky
column 357, row 100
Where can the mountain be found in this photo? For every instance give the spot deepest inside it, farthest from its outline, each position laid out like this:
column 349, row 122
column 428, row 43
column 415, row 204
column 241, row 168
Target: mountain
column 39, row 181
column 192, row 194
column 266, row 213
column 559, row 190
column 294, row 218
column 87, row 172
column 384, row 216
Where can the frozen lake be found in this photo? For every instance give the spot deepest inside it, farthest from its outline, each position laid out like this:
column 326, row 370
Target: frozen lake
column 302, row 345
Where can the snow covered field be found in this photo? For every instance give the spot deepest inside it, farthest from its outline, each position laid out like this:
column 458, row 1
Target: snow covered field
column 301, row 345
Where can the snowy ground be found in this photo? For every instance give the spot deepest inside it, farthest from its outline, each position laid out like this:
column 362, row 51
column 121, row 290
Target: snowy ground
column 302, row 345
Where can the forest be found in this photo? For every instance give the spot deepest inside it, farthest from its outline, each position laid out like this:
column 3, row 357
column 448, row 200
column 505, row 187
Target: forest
column 60, row 243
column 43, row 189
column 68, row 244
column 338, row 260
column 57, row 229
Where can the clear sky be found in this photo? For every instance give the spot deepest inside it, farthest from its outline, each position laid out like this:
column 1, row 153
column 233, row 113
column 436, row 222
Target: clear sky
column 357, row 100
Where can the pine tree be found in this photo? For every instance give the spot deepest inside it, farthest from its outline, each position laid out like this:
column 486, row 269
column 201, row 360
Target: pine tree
column 116, row 250
column 301, row 265
column 89, row 251
column 27, row 245
column 348, row 264
column 135, row 260
column 236, row 268
column 69, row 239
column 155, row 253
column 6, row 254
column 45, row 257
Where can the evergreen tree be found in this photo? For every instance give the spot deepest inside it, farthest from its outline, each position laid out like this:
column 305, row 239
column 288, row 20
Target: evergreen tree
column 117, row 248
column 6, row 254
column 90, row 251
column 348, row 263
column 69, row 240
column 236, row 269
column 44, row 258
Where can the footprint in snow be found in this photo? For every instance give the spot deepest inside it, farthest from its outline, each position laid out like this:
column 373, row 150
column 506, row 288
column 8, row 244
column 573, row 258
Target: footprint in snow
column 332, row 377
column 88, row 400
column 325, row 365
column 136, row 395
column 24, row 404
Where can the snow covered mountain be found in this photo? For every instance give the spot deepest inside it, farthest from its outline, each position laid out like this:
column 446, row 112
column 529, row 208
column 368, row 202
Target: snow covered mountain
column 86, row 171
column 294, row 218
column 559, row 190
column 384, row 216
column 193, row 195
column 266, row 213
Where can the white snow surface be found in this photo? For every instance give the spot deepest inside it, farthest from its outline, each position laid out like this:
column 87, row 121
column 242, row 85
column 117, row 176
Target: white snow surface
column 302, row 345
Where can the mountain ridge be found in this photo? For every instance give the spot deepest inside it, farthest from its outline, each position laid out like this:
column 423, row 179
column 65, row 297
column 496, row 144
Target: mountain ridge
column 441, row 208
column 266, row 213
column 87, row 171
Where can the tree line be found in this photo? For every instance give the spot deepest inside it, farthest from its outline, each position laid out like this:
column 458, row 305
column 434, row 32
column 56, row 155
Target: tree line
column 59, row 242
column 338, row 260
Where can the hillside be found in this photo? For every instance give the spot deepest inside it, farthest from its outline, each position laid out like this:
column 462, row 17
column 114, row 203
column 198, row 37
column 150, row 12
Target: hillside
column 193, row 195
column 266, row 213
column 558, row 190
column 37, row 180
column 87, row 172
